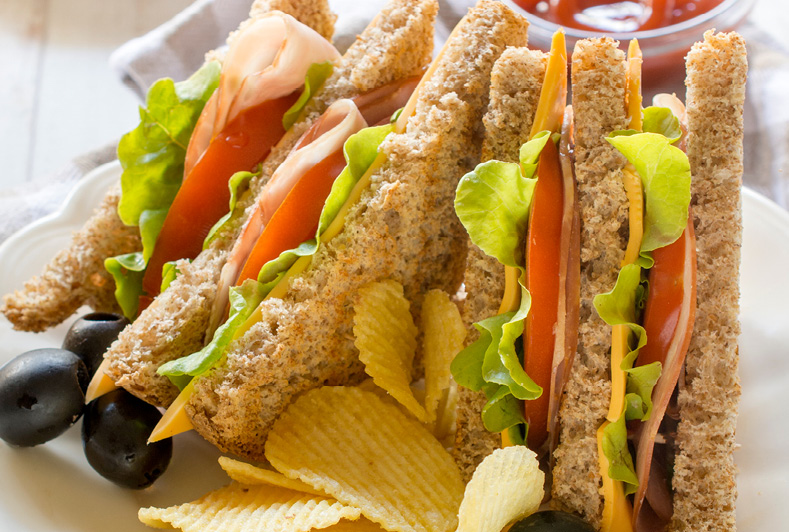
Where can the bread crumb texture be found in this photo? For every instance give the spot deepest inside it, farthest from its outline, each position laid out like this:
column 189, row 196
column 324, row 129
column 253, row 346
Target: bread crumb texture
column 598, row 77
column 175, row 324
column 315, row 14
column 704, row 472
column 515, row 84
column 403, row 228
column 76, row 275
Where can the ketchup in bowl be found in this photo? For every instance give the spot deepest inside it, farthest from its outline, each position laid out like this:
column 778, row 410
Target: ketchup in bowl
column 665, row 29
column 617, row 16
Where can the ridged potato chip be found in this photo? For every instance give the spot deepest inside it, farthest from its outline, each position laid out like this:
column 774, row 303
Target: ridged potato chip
column 507, row 485
column 386, row 339
column 237, row 507
column 368, row 453
column 250, row 475
column 444, row 334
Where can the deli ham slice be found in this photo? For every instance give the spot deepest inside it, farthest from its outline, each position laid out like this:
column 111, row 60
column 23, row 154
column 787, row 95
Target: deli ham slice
column 266, row 60
column 341, row 120
column 326, row 137
column 671, row 369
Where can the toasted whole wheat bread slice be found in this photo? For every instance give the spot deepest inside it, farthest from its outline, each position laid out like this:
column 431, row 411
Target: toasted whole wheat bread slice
column 704, row 484
column 515, row 85
column 598, row 78
column 403, row 228
column 397, row 44
column 76, row 276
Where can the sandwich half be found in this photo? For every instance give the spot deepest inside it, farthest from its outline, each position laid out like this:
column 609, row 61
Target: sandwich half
column 681, row 467
column 519, row 209
column 76, row 276
column 400, row 226
column 654, row 273
column 515, row 84
column 177, row 322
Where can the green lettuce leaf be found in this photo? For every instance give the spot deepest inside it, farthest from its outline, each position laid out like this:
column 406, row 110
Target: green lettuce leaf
column 492, row 202
column 485, row 365
column 640, row 382
column 618, row 307
column 151, row 222
column 317, row 74
column 169, row 272
column 662, row 121
column 530, row 152
column 360, row 150
column 502, row 411
column 518, row 433
column 621, row 307
column 244, row 300
column 665, row 175
column 127, row 271
column 238, row 184
column 620, row 462
column 502, row 365
column 466, row 367
column 152, row 155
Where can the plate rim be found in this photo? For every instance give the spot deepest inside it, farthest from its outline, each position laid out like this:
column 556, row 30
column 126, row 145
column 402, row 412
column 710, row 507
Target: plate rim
column 68, row 208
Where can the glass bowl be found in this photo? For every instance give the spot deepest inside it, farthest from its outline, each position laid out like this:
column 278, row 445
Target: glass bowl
column 663, row 48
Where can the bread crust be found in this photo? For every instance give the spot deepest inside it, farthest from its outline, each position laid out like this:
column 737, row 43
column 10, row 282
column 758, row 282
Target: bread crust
column 76, row 275
column 314, row 13
column 598, row 77
column 704, row 483
column 515, row 84
column 403, row 228
column 175, row 324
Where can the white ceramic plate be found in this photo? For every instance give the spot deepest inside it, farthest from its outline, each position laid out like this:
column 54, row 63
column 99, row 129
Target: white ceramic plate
column 52, row 487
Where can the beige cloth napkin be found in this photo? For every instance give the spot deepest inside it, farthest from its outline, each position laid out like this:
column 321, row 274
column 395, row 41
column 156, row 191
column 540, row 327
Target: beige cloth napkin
column 176, row 49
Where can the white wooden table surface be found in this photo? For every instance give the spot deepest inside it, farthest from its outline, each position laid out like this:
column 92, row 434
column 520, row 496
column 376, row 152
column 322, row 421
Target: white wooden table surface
column 58, row 97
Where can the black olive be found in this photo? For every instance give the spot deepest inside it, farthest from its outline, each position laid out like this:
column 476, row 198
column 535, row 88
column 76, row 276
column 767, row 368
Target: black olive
column 41, row 395
column 91, row 335
column 552, row 521
column 115, row 434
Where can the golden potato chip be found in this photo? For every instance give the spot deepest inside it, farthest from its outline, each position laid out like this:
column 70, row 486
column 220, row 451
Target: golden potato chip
column 368, row 453
column 252, row 476
column 444, row 334
column 237, row 507
column 507, row 485
column 386, row 339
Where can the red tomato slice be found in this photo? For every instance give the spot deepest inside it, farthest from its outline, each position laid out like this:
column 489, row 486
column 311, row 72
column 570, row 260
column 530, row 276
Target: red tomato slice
column 203, row 197
column 543, row 255
column 667, row 289
column 296, row 219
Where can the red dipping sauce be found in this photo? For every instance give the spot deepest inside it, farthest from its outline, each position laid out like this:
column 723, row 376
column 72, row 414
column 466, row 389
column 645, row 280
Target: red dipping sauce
column 617, row 16
column 665, row 29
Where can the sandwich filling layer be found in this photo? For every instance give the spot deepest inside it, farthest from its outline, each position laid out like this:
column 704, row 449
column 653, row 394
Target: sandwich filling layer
column 520, row 221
